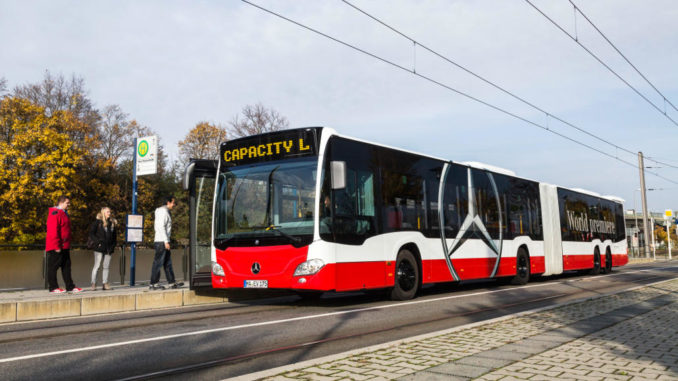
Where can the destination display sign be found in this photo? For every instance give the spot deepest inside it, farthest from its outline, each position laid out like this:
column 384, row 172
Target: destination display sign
column 268, row 147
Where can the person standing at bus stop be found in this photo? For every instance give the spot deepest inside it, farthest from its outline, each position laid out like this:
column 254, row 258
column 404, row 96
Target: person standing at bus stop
column 163, row 230
column 58, row 247
column 103, row 235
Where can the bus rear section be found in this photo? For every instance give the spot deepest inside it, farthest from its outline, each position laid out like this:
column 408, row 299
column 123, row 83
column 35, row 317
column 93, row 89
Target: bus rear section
column 582, row 231
column 593, row 231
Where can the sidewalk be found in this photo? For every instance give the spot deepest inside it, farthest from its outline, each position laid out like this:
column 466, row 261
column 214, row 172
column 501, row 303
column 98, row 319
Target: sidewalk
column 29, row 305
column 632, row 335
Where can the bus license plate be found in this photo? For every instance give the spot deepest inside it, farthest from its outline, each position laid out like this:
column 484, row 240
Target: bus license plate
column 256, row 284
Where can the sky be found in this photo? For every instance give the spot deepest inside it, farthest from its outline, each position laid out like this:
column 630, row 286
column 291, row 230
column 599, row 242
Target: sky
column 172, row 64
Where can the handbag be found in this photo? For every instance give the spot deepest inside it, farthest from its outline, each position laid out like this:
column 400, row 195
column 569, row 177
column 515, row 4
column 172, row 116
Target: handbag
column 91, row 243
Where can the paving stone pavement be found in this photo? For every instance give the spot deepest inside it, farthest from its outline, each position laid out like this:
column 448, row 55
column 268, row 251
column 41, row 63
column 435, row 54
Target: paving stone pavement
column 631, row 335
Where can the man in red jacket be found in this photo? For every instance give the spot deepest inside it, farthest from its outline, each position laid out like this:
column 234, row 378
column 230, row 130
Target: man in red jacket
column 58, row 245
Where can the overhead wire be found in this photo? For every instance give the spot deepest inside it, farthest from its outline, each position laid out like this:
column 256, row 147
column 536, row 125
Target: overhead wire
column 576, row 40
column 412, row 71
column 500, row 88
column 577, row 9
column 547, row 113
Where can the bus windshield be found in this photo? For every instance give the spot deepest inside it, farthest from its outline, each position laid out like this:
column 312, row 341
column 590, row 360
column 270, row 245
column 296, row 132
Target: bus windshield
column 270, row 203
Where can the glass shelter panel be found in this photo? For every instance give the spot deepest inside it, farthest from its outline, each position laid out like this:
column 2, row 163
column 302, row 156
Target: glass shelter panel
column 203, row 222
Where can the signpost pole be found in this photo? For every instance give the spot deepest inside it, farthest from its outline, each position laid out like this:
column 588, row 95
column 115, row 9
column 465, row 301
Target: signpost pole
column 668, row 236
column 654, row 245
column 668, row 217
column 145, row 163
column 133, row 245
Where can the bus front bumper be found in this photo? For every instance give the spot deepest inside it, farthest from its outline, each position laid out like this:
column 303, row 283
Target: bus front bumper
column 270, row 267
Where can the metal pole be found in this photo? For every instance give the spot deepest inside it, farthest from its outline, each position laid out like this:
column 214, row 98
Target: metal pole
column 184, row 263
column 44, row 269
column 637, row 232
column 122, row 264
column 668, row 237
column 133, row 245
column 654, row 245
column 643, row 196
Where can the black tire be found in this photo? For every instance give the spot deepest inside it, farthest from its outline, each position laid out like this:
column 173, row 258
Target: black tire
column 522, row 268
column 596, row 263
column 608, row 261
column 406, row 276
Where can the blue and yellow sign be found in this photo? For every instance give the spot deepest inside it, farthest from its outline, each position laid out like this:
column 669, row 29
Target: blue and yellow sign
column 143, row 148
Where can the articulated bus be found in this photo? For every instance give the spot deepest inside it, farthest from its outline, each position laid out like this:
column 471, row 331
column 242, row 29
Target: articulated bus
column 311, row 210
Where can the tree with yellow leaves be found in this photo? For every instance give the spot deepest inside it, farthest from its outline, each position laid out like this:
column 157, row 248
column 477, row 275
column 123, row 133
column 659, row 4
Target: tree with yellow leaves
column 202, row 142
column 53, row 141
column 39, row 162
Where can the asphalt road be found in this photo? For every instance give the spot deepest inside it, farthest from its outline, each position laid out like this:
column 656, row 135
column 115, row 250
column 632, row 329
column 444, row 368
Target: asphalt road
column 216, row 342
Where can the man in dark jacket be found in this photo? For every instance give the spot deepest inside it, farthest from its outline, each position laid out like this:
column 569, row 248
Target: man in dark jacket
column 58, row 245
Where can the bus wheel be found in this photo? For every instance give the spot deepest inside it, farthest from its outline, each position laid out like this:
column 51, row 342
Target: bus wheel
column 596, row 263
column 406, row 276
column 522, row 267
column 608, row 261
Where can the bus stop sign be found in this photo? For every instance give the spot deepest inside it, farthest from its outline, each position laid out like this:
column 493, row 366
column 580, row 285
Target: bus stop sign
column 147, row 155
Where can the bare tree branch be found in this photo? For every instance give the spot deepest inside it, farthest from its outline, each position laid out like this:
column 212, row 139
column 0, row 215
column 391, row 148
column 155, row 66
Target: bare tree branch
column 55, row 94
column 257, row 119
column 116, row 133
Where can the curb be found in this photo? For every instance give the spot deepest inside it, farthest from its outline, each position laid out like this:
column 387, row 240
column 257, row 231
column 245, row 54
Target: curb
column 41, row 309
column 71, row 306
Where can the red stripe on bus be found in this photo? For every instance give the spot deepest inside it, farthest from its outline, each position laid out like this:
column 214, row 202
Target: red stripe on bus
column 620, row 259
column 362, row 275
column 278, row 263
column 585, row 261
column 476, row 268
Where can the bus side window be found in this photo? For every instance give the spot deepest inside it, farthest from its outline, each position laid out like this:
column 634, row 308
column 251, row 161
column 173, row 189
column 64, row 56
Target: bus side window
column 354, row 218
column 455, row 199
column 353, row 207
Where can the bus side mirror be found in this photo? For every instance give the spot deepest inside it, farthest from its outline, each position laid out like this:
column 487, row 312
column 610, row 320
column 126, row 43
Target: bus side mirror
column 338, row 174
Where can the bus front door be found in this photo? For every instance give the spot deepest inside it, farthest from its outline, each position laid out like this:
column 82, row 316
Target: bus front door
column 199, row 181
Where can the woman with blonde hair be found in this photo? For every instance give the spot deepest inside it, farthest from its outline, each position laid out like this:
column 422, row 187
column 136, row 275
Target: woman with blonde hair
column 103, row 235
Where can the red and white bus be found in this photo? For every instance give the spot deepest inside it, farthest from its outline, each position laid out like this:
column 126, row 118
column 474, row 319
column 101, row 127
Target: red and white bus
column 311, row 210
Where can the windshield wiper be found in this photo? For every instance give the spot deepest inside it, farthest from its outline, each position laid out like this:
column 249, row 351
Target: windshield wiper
column 221, row 242
column 282, row 233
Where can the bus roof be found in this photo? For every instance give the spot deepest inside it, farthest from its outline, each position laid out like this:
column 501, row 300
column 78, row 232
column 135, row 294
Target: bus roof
column 489, row 167
column 473, row 164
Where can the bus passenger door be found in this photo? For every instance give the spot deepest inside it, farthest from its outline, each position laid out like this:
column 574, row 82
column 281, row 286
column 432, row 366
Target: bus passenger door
column 199, row 180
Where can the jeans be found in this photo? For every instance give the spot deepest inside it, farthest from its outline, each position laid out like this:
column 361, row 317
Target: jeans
column 97, row 261
column 54, row 262
column 162, row 259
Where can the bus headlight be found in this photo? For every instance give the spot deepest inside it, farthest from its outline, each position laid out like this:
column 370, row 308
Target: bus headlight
column 217, row 269
column 309, row 267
